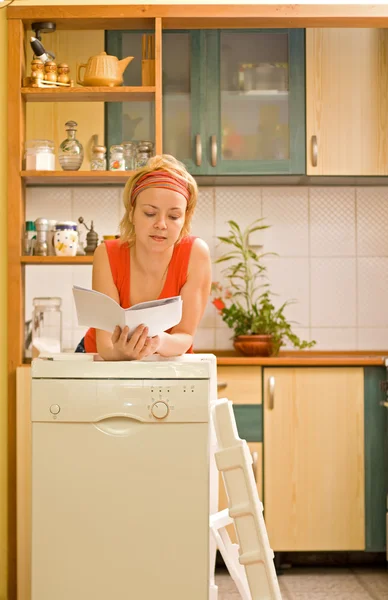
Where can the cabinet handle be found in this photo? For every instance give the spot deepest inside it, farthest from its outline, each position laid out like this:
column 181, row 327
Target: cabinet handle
column 271, row 393
column 384, row 404
column 213, row 140
column 314, row 150
column 255, row 459
column 198, row 150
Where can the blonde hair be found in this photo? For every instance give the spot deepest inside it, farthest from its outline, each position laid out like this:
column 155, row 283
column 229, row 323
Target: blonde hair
column 162, row 162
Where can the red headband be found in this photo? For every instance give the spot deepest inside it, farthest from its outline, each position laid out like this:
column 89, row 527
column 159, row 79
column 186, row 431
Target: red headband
column 160, row 179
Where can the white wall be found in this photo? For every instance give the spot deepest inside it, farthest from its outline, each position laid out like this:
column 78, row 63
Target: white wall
column 332, row 247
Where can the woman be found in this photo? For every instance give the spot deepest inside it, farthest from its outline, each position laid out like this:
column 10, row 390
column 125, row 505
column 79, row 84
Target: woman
column 155, row 257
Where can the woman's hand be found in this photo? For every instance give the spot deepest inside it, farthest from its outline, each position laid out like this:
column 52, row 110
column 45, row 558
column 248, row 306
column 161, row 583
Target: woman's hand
column 138, row 346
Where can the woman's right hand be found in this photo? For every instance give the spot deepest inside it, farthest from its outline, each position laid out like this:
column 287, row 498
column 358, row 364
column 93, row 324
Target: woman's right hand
column 138, row 346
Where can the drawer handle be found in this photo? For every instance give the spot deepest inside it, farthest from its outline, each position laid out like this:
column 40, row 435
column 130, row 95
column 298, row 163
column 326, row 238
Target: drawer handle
column 314, row 150
column 198, row 150
column 271, row 393
column 222, row 385
column 384, row 404
column 255, row 460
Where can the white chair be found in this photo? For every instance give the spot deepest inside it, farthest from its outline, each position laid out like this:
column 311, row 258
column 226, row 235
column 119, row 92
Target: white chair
column 250, row 562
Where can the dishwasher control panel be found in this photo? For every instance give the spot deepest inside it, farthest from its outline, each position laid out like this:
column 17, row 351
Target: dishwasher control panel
column 93, row 400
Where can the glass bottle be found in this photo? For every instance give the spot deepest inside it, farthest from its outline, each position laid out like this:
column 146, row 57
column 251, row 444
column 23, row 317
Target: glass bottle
column 46, row 325
column 29, row 235
column 116, row 158
column 71, row 152
column 143, row 153
column 129, row 155
column 98, row 162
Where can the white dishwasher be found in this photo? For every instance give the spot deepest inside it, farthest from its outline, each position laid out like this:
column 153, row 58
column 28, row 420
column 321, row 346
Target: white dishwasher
column 120, row 478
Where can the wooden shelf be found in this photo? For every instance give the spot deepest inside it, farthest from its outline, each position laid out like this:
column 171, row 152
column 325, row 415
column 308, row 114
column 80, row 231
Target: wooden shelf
column 56, row 260
column 89, row 94
column 75, row 177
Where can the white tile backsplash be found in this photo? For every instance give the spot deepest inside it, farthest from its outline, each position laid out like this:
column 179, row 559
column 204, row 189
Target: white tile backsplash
column 372, row 221
column 332, row 244
column 333, row 292
column 334, row 338
column 286, row 211
column 332, row 222
column 373, row 292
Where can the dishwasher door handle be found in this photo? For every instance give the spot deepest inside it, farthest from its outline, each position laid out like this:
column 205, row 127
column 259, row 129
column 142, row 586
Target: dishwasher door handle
column 118, row 425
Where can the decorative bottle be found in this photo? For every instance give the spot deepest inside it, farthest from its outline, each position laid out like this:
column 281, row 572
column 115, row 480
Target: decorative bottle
column 71, row 152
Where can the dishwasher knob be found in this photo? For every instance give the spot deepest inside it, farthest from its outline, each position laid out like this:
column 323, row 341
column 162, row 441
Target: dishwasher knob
column 55, row 409
column 160, row 410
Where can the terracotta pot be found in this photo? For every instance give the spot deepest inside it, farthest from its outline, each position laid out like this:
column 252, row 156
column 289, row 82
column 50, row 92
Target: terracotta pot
column 253, row 345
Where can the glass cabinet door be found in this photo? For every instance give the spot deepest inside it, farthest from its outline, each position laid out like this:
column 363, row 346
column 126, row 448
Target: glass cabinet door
column 183, row 80
column 128, row 121
column 255, row 101
column 183, row 98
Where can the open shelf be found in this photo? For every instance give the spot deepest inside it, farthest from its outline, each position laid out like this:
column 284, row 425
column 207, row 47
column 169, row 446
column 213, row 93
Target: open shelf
column 75, row 177
column 56, row 260
column 89, row 94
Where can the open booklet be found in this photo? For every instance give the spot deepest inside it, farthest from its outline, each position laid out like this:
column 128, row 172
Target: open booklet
column 98, row 310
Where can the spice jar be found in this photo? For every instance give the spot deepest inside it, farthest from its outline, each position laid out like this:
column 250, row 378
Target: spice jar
column 116, row 158
column 98, row 162
column 39, row 155
column 29, row 238
column 143, row 153
column 50, row 237
column 42, row 227
column 46, row 325
column 129, row 155
column 66, row 238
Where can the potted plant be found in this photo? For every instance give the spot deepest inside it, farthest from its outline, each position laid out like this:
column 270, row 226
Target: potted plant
column 245, row 305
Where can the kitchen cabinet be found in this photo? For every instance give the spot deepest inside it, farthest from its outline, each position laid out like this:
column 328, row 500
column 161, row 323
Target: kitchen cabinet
column 314, row 488
column 233, row 100
column 346, row 101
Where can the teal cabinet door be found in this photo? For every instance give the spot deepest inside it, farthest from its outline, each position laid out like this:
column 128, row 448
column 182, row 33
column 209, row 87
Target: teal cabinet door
column 233, row 100
column 255, row 101
column 184, row 88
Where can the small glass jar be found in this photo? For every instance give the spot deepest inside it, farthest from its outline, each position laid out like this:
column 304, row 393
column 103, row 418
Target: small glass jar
column 29, row 238
column 39, row 155
column 116, row 158
column 129, row 155
column 144, row 152
column 66, row 238
column 98, row 162
column 41, row 245
column 71, row 151
column 46, row 326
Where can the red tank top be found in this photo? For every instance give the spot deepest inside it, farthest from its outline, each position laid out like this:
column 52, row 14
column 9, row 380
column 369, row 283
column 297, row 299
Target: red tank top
column 119, row 260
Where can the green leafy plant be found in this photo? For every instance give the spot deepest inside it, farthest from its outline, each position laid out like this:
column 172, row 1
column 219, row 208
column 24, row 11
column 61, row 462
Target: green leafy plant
column 246, row 305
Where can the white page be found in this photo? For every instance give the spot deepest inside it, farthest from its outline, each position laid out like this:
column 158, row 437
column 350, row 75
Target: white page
column 98, row 310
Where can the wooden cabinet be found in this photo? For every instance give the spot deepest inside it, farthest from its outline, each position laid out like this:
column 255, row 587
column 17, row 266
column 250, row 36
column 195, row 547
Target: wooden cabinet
column 346, row 101
column 233, row 100
column 314, row 491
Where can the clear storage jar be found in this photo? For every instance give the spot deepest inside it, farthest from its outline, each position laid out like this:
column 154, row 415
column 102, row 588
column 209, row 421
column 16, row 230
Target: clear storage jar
column 39, row 155
column 116, row 158
column 144, row 152
column 129, row 155
column 98, row 162
column 46, row 325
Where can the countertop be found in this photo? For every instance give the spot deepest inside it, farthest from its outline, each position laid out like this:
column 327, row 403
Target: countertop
column 307, row 358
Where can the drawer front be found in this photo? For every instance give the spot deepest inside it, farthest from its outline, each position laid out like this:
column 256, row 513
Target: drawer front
column 243, row 384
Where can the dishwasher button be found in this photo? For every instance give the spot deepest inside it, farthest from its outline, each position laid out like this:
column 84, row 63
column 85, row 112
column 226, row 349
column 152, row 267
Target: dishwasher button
column 55, row 409
column 159, row 410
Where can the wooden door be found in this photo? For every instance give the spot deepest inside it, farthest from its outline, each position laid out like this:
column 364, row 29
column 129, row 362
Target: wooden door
column 314, row 458
column 347, row 101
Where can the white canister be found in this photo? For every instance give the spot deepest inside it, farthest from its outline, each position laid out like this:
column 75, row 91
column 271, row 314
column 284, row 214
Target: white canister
column 66, row 238
column 39, row 155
